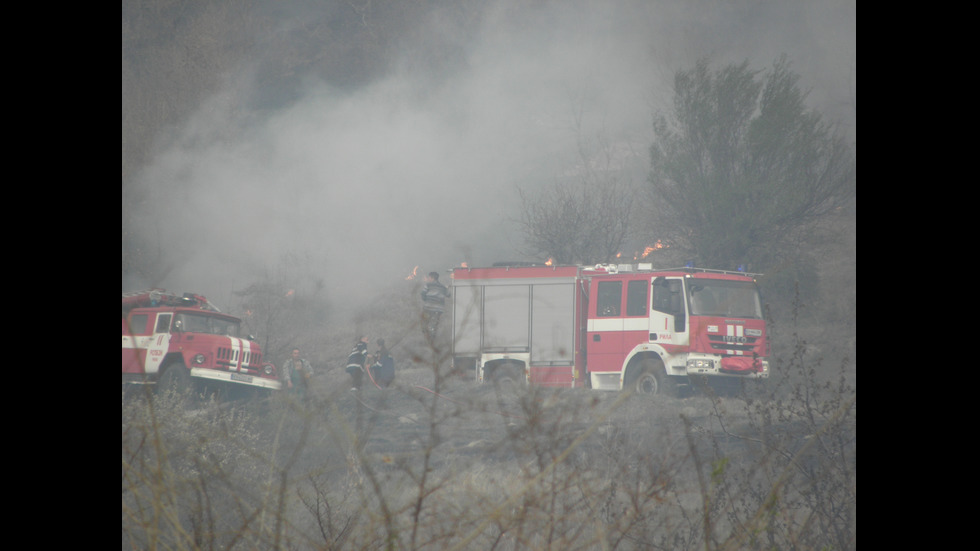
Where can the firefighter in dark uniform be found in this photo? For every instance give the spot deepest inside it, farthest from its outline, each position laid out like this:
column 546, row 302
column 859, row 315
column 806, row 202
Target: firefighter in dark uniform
column 434, row 296
column 356, row 360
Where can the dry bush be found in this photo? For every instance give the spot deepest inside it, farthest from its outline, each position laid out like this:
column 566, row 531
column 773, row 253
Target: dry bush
column 434, row 462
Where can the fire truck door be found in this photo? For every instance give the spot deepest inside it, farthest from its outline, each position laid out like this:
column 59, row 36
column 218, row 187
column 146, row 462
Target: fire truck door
column 158, row 347
column 668, row 314
column 605, row 326
column 145, row 341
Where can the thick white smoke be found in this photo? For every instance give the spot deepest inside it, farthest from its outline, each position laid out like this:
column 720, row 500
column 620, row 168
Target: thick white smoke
column 415, row 170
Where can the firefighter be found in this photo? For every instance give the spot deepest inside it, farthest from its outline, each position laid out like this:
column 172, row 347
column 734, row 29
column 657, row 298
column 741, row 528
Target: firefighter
column 383, row 368
column 297, row 372
column 433, row 304
column 355, row 361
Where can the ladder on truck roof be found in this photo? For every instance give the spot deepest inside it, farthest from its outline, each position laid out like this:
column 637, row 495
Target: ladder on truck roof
column 161, row 297
column 691, row 270
column 648, row 267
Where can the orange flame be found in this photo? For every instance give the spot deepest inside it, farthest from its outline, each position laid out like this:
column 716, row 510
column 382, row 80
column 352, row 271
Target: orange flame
column 656, row 246
column 413, row 274
column 549, row 262
column 464, row 265
column 290, row 292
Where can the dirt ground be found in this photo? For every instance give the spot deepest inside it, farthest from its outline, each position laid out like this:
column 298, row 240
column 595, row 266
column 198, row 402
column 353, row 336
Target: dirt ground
column 456, row 421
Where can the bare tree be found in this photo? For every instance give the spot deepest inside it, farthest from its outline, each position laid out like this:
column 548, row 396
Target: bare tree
column 284, row 306
column 583, row 217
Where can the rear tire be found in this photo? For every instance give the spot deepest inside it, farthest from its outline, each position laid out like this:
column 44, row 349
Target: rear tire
column 508, row 387
column 507, row 379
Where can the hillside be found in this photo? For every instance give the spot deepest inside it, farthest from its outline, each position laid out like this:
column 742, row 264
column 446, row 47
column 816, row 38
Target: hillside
column 436, row 462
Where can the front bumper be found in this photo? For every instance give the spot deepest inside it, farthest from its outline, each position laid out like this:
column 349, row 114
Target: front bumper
column 236, row 378
column 724, row 366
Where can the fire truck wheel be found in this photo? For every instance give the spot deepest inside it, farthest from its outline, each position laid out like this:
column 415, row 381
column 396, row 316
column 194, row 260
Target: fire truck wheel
column 648, row 382
column 176, row 380
column 507, row 378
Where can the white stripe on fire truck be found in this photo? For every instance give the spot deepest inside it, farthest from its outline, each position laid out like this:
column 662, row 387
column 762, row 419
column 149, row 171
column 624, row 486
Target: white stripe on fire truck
column 240, row 349
column 246, row 349
column 736, row 331
column 235, row 354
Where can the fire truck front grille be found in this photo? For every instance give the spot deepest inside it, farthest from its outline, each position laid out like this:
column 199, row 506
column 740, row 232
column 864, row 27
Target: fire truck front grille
column 228, row 358
column 733, row 344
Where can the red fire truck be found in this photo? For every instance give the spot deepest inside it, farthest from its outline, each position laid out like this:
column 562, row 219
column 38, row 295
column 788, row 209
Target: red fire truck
column 608, row 327
column 183, row 343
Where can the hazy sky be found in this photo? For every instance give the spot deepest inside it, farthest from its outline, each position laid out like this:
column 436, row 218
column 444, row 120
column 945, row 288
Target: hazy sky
column 411, row 170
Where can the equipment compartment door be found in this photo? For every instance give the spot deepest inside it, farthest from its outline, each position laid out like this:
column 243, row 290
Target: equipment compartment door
column 506, row 318
column 552, row 323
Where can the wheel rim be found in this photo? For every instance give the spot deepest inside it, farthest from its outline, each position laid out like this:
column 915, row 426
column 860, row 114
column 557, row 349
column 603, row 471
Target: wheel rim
column 647, row 384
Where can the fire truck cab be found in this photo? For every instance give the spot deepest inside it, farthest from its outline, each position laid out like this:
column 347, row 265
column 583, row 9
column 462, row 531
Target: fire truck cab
column 608, row 327
column 184, row 343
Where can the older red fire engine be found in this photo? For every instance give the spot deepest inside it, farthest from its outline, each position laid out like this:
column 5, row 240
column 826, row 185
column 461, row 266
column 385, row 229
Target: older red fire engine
column 184, row 343
column 608, row 327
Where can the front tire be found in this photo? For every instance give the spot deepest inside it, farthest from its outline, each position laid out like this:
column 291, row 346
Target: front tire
column 176, row 383
column 648, row 383
column 652, row 380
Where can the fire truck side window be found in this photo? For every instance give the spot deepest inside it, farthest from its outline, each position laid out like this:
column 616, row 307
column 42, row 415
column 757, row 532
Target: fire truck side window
column 137, row 324
column 610, row 298
column 661, row 296
column 667, row 298
column 636, row 297
column 163, row 323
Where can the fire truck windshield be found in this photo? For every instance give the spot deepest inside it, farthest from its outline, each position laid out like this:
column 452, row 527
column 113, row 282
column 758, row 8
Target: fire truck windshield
column 737, row 299
column 203, row 323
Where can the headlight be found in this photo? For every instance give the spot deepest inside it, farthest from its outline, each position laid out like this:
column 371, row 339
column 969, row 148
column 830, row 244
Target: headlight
column 199, row 359
column 269, row 370
column 700, row 364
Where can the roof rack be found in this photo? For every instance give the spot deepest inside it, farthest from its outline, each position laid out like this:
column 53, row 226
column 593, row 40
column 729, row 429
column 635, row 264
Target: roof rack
column 691, row 269
column 161, row 297
column 517, row 264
